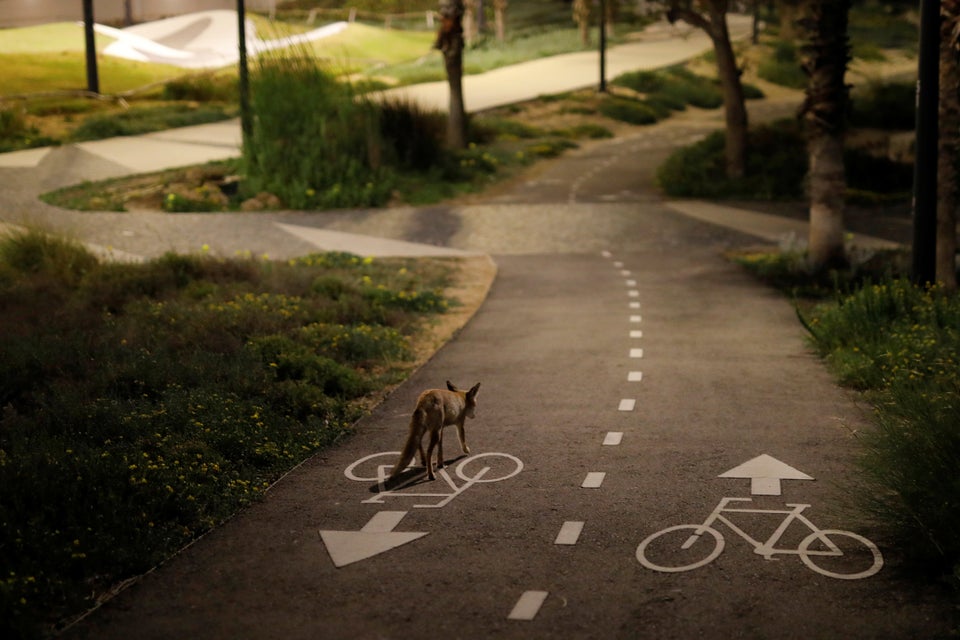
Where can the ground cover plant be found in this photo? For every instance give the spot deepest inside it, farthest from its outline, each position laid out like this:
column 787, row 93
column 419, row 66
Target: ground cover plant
column 142, row 404
column 898, row 343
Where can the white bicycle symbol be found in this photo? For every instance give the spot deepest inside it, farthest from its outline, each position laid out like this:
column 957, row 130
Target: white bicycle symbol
column 381, row 471
column 851, row 551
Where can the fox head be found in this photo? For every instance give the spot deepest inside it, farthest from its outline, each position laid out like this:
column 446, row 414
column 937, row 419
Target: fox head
column 471, row 397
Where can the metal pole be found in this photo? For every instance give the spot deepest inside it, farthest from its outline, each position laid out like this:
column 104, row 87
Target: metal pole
column 603, row 46
column 927, row 132
column 246, row 125
column 93, row 79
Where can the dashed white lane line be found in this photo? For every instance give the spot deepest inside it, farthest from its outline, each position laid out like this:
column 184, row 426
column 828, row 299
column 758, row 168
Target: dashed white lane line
column 635, row 376
column 627, row 404
column 631, row 283
column 625, row 272
column 593, row 480
column 569, row 532
column 633, row 293
column 613, row 438
column 636, row 333
column 528, row 605
column 636, row 319
column 636, row 353
column 634, row 305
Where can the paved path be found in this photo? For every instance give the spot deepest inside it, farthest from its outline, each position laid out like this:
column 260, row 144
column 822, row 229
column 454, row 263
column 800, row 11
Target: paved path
column 628, row 372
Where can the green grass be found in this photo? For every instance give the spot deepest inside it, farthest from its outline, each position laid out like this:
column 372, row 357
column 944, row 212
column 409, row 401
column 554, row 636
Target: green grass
column 898, row 344
column 144, row 404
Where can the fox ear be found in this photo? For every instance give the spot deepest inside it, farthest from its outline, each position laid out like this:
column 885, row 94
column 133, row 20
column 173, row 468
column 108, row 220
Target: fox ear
column 451, row 386
column 474, row 390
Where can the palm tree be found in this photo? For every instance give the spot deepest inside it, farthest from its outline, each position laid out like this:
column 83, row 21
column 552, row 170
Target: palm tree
column 949, row 143
column 450, row 43
column 825, row 56
column 712, row 18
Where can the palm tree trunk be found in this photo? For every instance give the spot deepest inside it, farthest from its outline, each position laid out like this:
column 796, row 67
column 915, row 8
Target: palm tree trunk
column 949, row 142
column 450, row 43
column 825, row 58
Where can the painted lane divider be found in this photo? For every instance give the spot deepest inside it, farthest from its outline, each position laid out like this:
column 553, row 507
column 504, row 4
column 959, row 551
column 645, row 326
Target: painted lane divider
column 636, row 353
column 593, row 480
column 569, row 532
column 633, row 293
column 635, row 376
column 636, row 319
column 528, row 605
column 613, row 438
column 631, row 283
column 627, row 404
column 636, row 333
column 635, row 305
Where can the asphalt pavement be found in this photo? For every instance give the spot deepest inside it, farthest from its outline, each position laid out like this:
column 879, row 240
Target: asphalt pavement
column 656, row 453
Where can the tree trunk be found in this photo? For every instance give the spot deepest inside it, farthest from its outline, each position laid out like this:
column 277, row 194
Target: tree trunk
column 500, row 18
column 949, row 144
column 450, row 43
column 581, row 15
column 825, row 61
column 714, row 23
column 733, row 102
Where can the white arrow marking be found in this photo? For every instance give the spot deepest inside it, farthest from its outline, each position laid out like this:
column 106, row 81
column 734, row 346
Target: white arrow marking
column 377, row 536
column 765, row 473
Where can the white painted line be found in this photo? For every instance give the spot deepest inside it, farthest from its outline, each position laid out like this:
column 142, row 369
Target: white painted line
column 625, row 272
column 631, row 283
column 528, row 605
column 636, row 333
column 635, row 376
column 627, row 404
column 569, row 532
column 636, row 353
column 618, row 265
column 593, row 480
column 634, row 305
column 613, row 438
column 636, row 319
column 633, row 293
column 383, row 521
column 606, row 254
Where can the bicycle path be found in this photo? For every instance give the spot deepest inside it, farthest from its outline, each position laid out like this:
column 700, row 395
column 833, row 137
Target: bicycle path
column 628, row 381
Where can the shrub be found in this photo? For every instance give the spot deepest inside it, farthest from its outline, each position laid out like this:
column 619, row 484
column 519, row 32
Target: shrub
column 201, row 88
column 315, row 143
column 783, row 67
column 776, row 166
column 627, row 110
column 901, row 342
column 884, row 105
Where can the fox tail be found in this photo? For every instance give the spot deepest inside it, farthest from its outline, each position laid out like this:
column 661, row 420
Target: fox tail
column 413, row 442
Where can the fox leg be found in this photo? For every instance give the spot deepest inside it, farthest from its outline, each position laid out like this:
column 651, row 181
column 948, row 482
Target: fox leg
column 440, row 449
column 434, row 439
column 423, row 455
column 463, row 437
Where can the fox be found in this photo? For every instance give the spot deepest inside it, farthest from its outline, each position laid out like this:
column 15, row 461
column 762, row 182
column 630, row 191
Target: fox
column 436, row 409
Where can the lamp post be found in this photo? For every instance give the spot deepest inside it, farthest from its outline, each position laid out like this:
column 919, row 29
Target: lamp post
column 93, row 79
column 603, row 46
column 244, row 83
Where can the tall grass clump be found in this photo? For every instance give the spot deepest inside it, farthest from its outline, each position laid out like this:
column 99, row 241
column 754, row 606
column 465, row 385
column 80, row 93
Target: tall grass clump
column 315, row 144
column 901, row 344
column 143, row 404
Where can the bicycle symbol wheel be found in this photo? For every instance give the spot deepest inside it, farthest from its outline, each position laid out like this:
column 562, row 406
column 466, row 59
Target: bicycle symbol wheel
column 389, row 458
column 844, row 551
column 691, row 547
column 480, row 476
